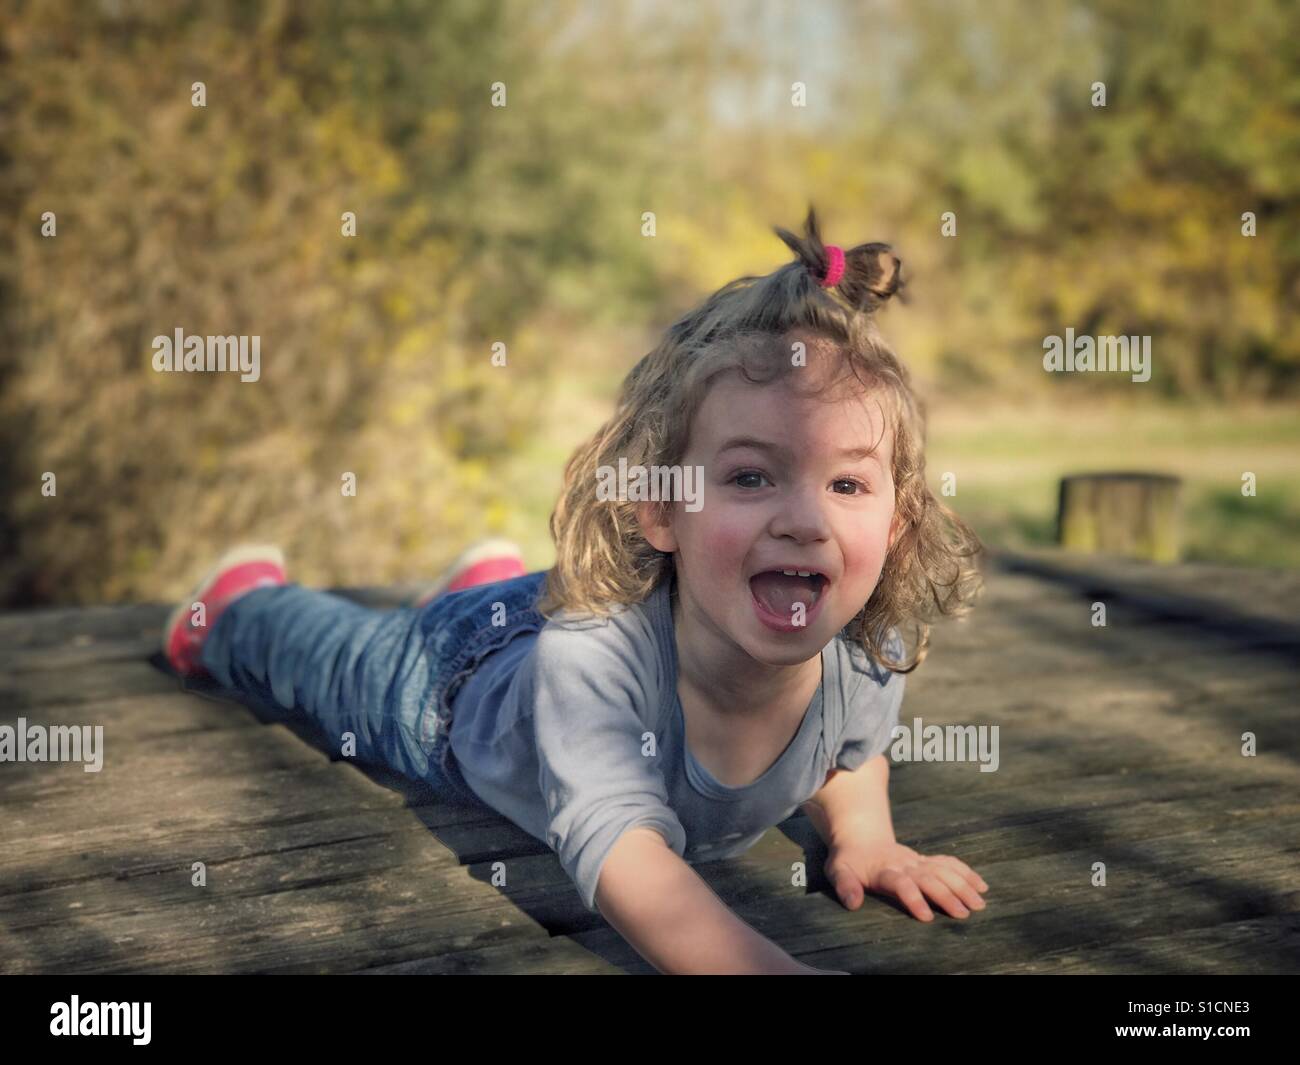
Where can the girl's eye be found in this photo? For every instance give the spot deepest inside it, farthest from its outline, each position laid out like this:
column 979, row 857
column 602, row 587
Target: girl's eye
column 748, row 474
column 856, row 484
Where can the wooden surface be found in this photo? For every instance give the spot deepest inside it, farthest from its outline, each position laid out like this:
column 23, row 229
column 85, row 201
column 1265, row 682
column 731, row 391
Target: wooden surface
column 1119, row 745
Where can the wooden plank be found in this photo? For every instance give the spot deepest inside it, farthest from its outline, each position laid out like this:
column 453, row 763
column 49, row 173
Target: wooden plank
column 18, row 691
column 157, row 813
column 1237, row 596
column 1040, row 904
column 1041, row 644
column 559, row 956
column 141, row 718
column 75, row 854
column 559, row 882
column 1041, row 743
column 79, row 653
column 1126, row 638
column 314, row 867
column 71, row 626
column 157, row 763
column 155, row 773
column 1235, row 948
column 1004, row 825
column 351, row 904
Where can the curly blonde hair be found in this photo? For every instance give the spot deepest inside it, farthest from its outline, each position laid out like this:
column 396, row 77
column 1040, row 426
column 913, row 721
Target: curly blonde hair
column 602, row 559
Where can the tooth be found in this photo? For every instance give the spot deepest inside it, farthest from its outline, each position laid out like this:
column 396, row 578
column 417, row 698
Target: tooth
column 789, row 572
column 805, row 573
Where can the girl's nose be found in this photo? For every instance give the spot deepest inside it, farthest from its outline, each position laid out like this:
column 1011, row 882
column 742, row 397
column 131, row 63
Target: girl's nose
column 801, row 515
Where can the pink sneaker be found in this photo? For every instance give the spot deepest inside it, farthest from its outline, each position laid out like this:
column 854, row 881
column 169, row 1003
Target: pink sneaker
column 481, row 563
column 238, row 571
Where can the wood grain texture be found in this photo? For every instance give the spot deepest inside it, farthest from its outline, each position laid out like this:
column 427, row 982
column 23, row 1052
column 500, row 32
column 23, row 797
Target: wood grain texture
column 1119, row 744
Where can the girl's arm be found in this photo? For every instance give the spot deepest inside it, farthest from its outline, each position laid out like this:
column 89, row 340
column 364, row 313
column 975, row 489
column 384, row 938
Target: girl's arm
column 851, row 814
column 672, row 918
column 854, row 804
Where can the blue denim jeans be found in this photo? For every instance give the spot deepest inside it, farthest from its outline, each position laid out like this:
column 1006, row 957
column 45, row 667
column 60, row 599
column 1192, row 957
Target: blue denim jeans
column 386, row 676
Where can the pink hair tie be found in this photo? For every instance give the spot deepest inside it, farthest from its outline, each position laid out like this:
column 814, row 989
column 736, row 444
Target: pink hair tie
column 835, row 266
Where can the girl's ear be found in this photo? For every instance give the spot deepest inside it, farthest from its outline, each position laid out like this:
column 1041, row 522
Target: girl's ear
column 895, row 527
column 658, row 534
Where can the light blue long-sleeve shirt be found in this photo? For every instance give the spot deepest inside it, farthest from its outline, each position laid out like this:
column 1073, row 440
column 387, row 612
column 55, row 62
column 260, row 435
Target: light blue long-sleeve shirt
column 575, row 733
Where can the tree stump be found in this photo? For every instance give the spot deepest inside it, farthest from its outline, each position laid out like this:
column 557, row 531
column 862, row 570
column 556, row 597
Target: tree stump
column 1134, row 514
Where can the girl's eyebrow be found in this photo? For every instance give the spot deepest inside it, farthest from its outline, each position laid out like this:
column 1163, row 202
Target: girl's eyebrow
column 854, row 453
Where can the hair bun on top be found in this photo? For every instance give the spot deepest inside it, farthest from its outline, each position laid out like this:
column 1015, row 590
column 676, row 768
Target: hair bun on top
column 872, row 272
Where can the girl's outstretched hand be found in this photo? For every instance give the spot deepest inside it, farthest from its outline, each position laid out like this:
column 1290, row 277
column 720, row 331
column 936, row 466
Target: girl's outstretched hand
column 888, row 868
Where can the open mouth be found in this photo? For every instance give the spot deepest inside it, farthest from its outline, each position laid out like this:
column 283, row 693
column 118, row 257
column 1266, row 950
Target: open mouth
column 788, row 594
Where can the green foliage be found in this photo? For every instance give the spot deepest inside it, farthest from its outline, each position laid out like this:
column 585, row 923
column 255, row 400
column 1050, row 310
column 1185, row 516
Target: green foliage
column 1124, row 219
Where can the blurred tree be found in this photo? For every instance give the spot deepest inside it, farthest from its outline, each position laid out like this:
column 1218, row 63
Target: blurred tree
column 227, row 219
column 1123, row 219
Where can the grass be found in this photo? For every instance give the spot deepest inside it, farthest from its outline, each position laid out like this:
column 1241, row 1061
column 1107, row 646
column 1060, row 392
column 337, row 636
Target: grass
column 1009, row 462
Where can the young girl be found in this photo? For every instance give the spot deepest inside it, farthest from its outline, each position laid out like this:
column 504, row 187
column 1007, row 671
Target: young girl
column 693, row 669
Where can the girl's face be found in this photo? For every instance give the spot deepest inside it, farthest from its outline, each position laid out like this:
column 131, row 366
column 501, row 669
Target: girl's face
column 792, row 482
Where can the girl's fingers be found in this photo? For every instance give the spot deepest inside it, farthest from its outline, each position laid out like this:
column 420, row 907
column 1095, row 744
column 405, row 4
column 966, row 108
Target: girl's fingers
column 944, row 880
column 961, row 887
column 962, row 868
column 942, row 894
column 904, row 888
